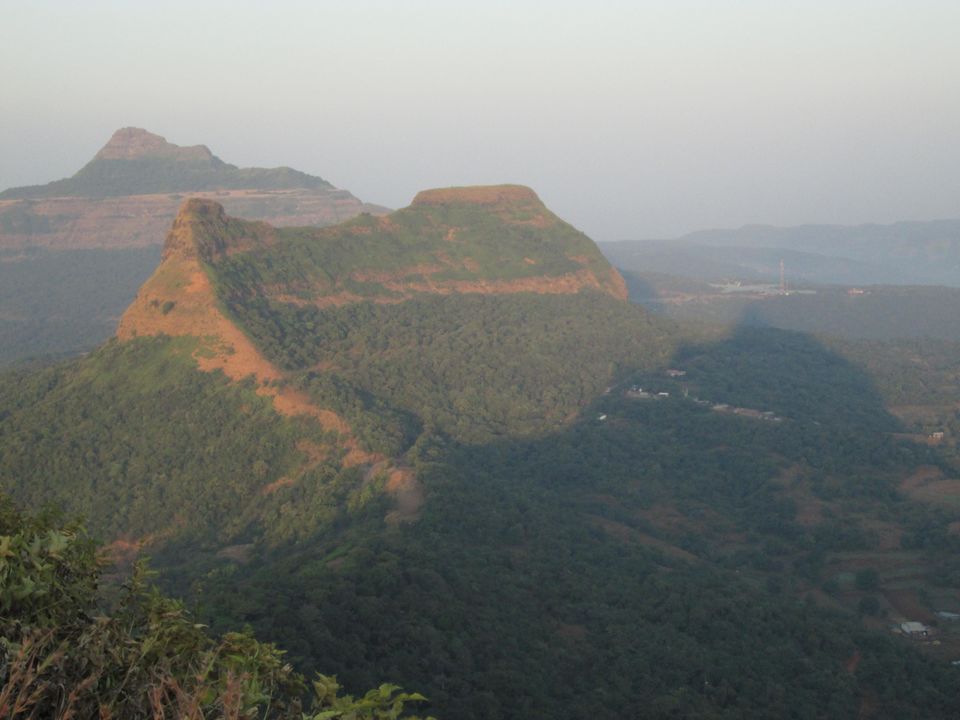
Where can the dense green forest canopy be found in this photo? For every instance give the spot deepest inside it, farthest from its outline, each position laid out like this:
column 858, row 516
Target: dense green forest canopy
column 439, row 359
column 547, row 534
column 631, row 612
column 136, row 439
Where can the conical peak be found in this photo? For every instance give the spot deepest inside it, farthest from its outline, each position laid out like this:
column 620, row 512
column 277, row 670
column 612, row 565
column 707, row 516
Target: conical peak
column 132, row 143
column 200, row 210
column 198, row 230
column 203, row 231
column 495, row 195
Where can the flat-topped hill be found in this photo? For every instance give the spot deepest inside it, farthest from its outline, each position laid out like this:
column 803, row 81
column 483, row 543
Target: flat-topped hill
column 487, row 240
column 259, row 298
column 503, row 195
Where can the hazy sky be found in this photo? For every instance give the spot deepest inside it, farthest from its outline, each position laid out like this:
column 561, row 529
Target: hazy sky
column 630, row 119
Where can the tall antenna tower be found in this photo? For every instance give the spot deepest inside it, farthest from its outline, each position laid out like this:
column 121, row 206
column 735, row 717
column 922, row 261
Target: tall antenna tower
column 783, row 279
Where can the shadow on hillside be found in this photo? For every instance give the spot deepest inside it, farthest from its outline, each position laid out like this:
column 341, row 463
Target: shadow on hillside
column 790, row 373
column 533, row 555
column 540, row 538
column 639, row 289
column 771, row 340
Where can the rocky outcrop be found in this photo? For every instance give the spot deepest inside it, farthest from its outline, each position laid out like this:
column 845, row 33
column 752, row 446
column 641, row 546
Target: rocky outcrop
column 202, row 230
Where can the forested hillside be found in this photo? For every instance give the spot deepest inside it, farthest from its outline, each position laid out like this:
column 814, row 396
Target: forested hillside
column 68, row 650
column 440, row 449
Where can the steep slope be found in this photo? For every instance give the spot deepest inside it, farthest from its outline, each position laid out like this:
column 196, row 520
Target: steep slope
column 178, row 300
column 360, row 439
column 219, row 277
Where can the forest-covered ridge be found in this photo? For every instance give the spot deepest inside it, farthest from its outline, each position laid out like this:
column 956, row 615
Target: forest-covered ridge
column 460, row 240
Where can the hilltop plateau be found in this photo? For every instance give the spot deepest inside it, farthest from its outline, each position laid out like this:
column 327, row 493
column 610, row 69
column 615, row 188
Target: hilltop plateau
column 487, row 240
column 441, row 448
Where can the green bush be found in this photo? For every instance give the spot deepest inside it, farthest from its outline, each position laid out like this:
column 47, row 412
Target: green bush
column 66, row 653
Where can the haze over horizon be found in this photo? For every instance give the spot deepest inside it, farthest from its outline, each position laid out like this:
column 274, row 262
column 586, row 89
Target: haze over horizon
column 631, row 120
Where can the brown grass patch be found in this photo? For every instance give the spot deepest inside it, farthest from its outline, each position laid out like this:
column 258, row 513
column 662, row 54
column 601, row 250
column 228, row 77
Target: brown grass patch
column 282, row 482
column 384, row 277
column 928, row 484
column 408, row 493
column 237, row 553
column 627, row 534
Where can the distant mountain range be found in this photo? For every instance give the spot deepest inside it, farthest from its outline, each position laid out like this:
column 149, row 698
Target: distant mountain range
column 906, row 253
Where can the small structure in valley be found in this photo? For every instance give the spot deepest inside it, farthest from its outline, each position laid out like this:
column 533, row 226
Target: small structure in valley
column 915, row 630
